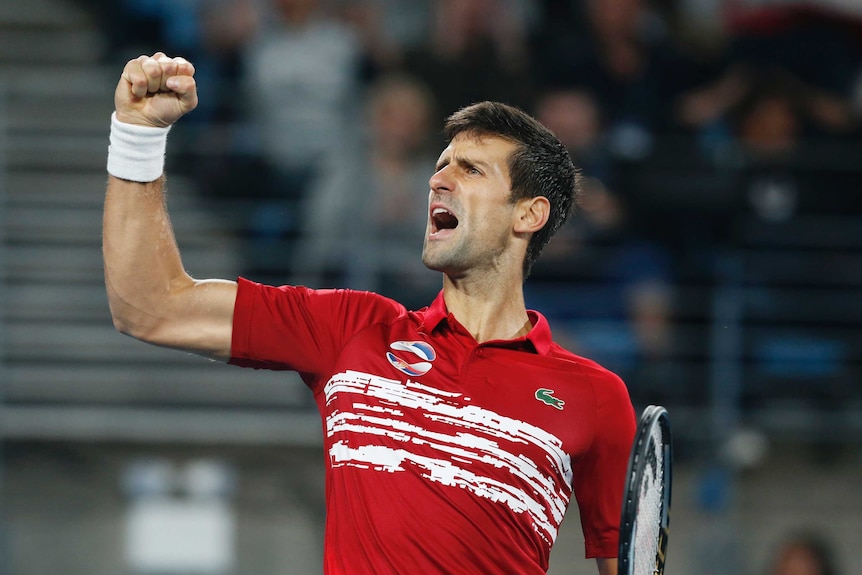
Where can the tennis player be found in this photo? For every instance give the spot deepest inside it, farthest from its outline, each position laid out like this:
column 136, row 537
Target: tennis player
column 455, row 436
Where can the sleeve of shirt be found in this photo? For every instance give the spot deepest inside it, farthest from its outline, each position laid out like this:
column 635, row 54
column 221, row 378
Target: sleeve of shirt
column 300, row 329
column 599, row 477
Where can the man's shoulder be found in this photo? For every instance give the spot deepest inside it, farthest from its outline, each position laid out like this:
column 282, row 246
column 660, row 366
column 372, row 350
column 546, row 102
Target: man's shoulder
column 372, row 306
column 581, row 364
column 334, row 302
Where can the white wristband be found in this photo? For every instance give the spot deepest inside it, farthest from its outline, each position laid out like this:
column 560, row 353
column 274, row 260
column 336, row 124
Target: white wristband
column 136, row 153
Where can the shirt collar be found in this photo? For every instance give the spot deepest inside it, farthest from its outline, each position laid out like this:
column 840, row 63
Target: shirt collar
column 435, row 313
column 539, row 336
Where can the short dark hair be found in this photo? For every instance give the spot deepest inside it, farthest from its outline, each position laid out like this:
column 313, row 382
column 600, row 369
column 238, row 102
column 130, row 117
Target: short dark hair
column 540, row 166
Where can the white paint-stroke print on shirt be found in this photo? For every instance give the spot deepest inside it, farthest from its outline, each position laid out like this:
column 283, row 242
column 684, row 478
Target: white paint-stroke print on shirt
column 470, row 434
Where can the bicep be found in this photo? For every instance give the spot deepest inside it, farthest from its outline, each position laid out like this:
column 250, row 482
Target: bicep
column 199, row 319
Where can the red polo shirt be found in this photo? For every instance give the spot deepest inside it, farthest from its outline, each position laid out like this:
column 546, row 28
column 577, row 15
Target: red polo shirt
column 444, row 455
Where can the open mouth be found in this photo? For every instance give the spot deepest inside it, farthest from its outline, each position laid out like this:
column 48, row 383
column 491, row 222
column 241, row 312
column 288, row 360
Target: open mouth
column 442, row 219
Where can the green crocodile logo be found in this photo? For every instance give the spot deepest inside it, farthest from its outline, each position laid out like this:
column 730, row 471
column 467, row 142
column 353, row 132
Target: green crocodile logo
column 547, row 396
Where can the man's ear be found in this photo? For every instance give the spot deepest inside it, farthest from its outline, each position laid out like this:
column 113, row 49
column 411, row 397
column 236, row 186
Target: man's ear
column 532, row 214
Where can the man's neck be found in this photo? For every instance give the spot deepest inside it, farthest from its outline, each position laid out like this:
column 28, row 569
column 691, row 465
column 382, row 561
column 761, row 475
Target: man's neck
column 488, row 312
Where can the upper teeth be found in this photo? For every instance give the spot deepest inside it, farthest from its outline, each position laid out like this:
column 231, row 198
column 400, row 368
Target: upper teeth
column 438, row 211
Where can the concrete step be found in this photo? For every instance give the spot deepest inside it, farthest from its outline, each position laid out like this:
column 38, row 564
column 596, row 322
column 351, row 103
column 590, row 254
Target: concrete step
column 82, row 189
column 200, row 383
column 83, row 263
column 50, row 45
column 42, row 13
column 166, row 426
column 54, row 302
column 77, row 225
column 60, row 79
column 56, row 114
column 30, row 151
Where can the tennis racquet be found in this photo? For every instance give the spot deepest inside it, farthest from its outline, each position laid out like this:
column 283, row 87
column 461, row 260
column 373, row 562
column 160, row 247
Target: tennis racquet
column 646, row 499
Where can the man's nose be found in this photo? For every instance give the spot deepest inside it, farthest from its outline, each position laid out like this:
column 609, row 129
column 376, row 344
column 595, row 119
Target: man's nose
column 441, row 181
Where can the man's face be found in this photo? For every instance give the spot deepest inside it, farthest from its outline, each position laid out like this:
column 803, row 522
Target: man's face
column 470, row 216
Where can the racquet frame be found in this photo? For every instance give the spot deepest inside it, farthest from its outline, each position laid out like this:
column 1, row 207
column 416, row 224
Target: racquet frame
column 653, row 415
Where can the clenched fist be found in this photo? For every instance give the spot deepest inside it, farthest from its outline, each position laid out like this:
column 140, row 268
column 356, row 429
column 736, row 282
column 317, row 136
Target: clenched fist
column 155, row 91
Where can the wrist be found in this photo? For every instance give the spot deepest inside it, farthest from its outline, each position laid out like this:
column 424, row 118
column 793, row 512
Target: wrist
column 136, row 153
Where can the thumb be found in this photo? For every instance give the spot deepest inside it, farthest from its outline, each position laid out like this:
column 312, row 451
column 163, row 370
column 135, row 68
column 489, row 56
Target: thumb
column 185, row 89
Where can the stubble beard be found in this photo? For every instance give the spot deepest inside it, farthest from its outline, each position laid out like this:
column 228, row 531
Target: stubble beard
column 457, row 259
column 438, row 259
column 452, row 259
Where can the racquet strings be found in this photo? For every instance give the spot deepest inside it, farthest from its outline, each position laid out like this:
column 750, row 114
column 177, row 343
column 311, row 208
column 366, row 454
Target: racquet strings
column 648, row 515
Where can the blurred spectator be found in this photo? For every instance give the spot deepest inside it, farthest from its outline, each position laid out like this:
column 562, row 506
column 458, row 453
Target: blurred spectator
column 621, row 51
column 475, row 50
column 784, row 132
column 782, row 48
column 574, row 116
column 134, row 27
column 226, row 28
column 768, row 126
column 769, row 121
column 301, row 85
column 300, row 74
column 775, row 112
column 364, row 225
column 387, row 30
column 804, row 554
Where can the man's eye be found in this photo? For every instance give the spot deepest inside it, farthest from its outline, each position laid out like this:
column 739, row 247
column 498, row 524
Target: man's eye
column 474, row 171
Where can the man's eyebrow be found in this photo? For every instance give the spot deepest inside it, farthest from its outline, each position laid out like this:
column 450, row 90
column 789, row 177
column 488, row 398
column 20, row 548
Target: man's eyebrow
column 464, row 161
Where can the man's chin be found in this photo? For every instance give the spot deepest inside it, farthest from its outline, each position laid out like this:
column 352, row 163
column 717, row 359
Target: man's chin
column 433, row 263
column 447, row 268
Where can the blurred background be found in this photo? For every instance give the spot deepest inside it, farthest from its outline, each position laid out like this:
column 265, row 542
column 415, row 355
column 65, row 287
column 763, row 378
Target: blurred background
column 715, row 263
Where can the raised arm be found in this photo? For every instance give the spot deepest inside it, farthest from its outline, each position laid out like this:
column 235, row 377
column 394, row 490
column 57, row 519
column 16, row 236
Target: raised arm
column 151, row 296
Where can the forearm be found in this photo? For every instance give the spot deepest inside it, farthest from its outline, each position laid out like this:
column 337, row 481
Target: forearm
column 142, row 263
column 607, row 566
